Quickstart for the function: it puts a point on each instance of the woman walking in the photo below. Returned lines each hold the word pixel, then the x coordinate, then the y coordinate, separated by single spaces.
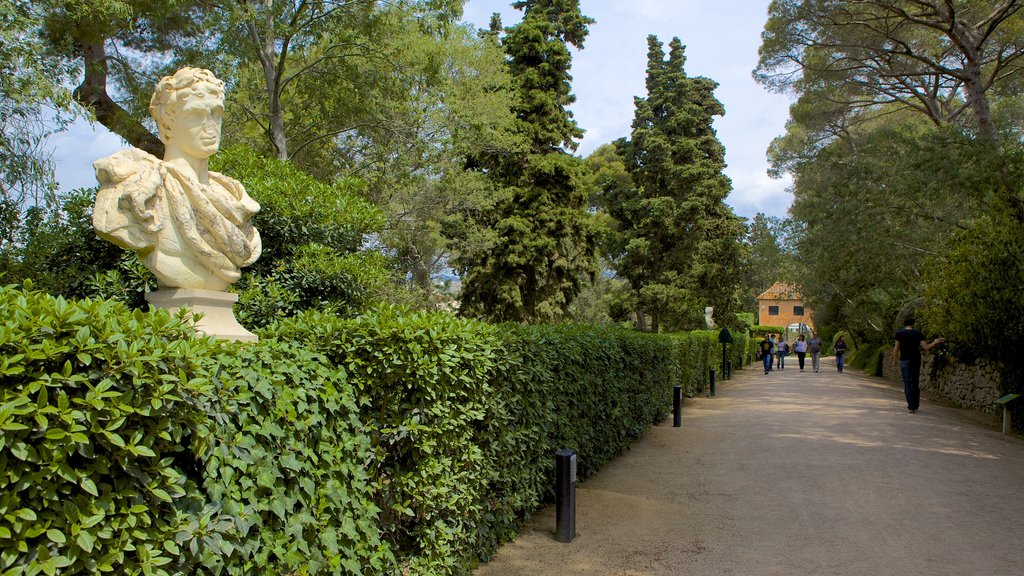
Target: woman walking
pixel 801 350
pixel 780 353
pixel 840 348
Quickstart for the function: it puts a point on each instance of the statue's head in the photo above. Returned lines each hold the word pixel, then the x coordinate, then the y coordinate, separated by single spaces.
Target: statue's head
pixel 188 108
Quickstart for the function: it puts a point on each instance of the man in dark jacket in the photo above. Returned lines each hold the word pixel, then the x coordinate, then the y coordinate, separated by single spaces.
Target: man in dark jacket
pixel 909 343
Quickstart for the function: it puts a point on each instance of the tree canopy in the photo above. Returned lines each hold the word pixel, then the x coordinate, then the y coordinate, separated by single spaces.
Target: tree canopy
pixel 527 252
pixel 678 241
pixel 940 58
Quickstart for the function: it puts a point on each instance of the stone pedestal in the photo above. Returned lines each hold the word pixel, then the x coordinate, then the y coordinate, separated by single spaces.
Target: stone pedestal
pixel 218 318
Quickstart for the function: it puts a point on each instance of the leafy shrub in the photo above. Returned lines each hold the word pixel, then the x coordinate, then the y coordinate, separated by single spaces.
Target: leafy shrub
pixel 422 387
pixel 93 424
pixel 465 417
pixel 973 293
pixel 129 446
pixel 869 358
pixel 387 443
pixel 763 330
pixel 315 242
pixel 282 464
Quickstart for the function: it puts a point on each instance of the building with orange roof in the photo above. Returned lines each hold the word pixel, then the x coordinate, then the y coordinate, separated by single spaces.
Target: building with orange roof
pixel 783 305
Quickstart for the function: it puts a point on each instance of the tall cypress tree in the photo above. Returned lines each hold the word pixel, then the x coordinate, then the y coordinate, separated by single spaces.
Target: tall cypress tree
pixel 537 244
pixel 680 242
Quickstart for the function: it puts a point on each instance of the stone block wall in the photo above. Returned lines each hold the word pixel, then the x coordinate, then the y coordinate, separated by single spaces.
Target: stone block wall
pixel 975 386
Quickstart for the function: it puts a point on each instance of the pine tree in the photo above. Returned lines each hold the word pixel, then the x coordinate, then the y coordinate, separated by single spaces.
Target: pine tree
pixel 534 244
pixel 679 241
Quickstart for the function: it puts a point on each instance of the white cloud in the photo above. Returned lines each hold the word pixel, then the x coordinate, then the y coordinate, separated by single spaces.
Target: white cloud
pixel 754 191
pixel 75 149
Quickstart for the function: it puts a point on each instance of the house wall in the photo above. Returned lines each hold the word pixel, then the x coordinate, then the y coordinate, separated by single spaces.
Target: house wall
pixel 786 315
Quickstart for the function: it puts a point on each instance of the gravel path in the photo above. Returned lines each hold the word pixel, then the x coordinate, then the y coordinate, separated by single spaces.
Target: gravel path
pixel 791 474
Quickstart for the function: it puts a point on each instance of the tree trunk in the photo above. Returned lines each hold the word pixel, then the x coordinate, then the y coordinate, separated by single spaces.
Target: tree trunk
pixel 421 276
pixel 641 320
pixel 973 83
pixel 266 52
pixel 92 93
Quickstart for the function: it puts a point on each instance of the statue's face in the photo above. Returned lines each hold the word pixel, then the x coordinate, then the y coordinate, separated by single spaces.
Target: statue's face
pixel 195 129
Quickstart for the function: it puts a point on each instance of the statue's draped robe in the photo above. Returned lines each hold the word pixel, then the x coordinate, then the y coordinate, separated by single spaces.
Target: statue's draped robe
pixel 144 202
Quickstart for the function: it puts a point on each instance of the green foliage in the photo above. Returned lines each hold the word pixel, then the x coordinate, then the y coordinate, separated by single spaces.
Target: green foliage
pixel 464 416
pixel 869 358
pixel 93 418
pixel 847 57
pixel 972 293
pixel 525 255
pixel 770 255
pixel 762 329
pixel 313 237
pixel 381 444
pixel 58 250
pixel 129 446
pixel 282 463
pixel 421 386
pixel 913 183
pixel 677 241
pixel 31 79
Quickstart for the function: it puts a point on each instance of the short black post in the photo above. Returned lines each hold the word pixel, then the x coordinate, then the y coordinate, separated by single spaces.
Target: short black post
pixel 677 406
pixel 712 373
pixel 565 495
pixel 725 374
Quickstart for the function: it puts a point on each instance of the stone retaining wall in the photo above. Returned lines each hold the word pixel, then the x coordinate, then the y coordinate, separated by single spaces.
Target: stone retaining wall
pixel 975 386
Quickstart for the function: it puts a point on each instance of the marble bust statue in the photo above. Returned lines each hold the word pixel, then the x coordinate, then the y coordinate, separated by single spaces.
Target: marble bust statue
pixel 191 227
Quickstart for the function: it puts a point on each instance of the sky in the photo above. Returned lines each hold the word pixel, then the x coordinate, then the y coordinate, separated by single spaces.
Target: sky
pixel 721 39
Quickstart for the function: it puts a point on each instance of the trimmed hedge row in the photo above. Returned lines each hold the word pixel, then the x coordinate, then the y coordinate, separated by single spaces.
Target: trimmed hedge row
pixel 390 443
pixel 128 446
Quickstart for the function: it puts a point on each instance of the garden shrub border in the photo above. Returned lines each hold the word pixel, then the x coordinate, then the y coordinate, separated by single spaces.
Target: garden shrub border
pixel 383 444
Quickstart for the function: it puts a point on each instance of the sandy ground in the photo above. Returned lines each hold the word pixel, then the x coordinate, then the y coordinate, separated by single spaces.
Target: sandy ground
pixel 795 473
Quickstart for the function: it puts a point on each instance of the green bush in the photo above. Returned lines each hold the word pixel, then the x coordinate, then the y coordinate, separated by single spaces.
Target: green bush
pixel 763 330
pixel 869 358
pixel 129 446
pixel 313 236
pixel 465 417
pixel 377 445
pixel 422 387
pixel 282 468
pixel 973 293
pixel 94 424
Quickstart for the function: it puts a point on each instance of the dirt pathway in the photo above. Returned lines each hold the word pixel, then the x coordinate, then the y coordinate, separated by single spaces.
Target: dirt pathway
pixel 795 473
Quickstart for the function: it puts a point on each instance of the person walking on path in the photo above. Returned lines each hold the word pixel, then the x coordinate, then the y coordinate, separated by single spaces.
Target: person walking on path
pixel 765 349
pixel 780 353
pixel 800 346
pixel 909 343
pixel 814 347
pixel 840 348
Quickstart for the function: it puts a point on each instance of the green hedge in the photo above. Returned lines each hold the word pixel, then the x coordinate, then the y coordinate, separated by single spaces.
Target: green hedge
pixel 127 446
pixel 93 422
pixel 384 444
pixel 465 417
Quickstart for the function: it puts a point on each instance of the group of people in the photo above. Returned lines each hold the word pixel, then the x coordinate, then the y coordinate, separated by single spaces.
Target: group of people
pixel 907 352
pixel 774 351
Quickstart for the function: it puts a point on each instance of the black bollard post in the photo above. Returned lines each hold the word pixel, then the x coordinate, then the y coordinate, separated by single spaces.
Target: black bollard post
pixel 712 372
pixel 725 375
pixel 677 406
pixel 565 495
